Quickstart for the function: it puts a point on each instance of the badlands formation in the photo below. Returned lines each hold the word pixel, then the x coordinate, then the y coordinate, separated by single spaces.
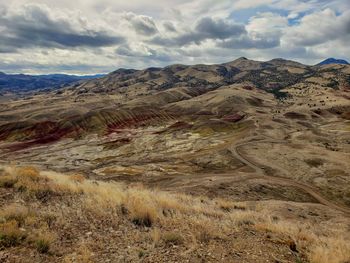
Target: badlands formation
pixel 245 161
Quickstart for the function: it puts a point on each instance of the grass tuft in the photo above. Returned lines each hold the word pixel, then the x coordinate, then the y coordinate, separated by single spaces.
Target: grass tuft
pixel 10 234
pixel 172 238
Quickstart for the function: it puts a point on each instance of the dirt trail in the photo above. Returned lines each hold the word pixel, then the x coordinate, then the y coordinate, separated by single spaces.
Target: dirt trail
pixel 282 180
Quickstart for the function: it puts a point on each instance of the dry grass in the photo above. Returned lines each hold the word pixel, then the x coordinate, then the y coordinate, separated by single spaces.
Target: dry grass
pixel 14 212
pixel 7 181
pixel 19 225
pixel 155 236
pixel 172 238
pixel 200 219
pixel 29 180
pixel 43 241
pixel 10 234
pixel 204 231
pixel 81 255
pixel 320 245
pixel 141 209
pixel 330 250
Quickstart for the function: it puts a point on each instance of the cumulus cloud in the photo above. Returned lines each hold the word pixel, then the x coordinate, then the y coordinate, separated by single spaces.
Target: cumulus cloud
pixel 320 27
pixel 249 43
pixel 34 27
pixel 141 51
pixel 218 29
pixel 144 25
pixel 169 26
pixel 206 28
pixel 262 32
pixel 258 34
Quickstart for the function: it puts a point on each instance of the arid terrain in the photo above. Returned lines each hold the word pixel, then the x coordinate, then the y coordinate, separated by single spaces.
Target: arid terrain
pixel 245 161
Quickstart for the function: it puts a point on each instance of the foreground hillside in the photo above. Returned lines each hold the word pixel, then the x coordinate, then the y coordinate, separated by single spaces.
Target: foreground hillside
pixel 51 217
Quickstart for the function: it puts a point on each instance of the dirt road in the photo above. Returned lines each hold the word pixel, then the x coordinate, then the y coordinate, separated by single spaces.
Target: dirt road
pixel 282 180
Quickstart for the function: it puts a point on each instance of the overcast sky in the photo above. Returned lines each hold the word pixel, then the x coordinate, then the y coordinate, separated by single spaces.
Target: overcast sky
pixel 96 36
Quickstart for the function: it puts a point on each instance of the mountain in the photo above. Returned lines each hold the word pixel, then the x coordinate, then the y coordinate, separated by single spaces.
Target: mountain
pixel 19 83
pixel 333 61
pixel 271 76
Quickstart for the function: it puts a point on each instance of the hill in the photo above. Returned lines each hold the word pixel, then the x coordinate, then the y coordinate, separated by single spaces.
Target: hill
pixel 333 61
pixel 271 76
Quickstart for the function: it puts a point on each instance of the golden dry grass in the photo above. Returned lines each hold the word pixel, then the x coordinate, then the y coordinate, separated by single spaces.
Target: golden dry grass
pixel 330 250
pixel 198 218
pixel 81 255
pixel 10 234
pixel 18 224
pixel 15 212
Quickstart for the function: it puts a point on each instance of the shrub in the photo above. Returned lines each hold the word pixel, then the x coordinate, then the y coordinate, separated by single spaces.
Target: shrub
pixel 141 209
pixel 142 253
pixel 28 179
pixel 142 220
pixel 42 246
pixel 43 242
pixel 10 234
pixel 15 212
pixel 7 181
pixel 204 231
pixel 172 238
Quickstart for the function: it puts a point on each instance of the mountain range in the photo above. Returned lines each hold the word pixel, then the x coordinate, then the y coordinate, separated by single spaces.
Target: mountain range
pixel 19 83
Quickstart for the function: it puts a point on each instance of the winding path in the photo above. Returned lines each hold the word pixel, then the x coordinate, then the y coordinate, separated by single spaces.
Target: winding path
pixel 282 180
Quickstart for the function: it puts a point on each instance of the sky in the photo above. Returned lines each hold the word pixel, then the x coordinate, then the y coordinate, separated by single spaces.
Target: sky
pixel 99 36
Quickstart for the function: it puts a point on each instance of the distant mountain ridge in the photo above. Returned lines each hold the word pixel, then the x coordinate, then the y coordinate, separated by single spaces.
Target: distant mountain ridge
pixel 271 76
pixel 333 61
pixel 19 83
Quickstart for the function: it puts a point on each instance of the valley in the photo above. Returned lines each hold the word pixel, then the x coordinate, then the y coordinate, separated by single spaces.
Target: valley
pixel 272 134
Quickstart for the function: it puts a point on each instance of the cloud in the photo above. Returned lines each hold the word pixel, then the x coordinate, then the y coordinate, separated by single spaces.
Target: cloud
pixel 169 26
pixel 34 27
pixel 144 25
pixel 228 34
pixel 248 43
pixel 206 28
pixel 218 29
pixel 244 4
pixel 320 27
pixel 263 31
pixel 141 51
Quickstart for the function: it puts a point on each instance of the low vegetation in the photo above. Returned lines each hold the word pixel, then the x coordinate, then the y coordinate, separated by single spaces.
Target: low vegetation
pixel 64 217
